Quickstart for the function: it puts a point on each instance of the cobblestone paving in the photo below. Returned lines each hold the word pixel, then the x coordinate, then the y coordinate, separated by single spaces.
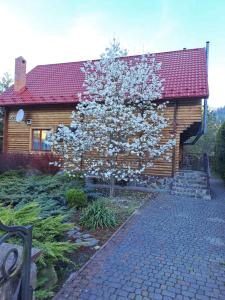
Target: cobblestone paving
pixel 173 249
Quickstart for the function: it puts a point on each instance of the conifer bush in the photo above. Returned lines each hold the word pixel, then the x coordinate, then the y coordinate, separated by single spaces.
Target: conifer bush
pixel 47 236
pixel 220 152
pixel 76 198
pixel 47 190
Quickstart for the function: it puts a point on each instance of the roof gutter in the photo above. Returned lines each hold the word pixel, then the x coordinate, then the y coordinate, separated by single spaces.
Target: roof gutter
pixel 203 129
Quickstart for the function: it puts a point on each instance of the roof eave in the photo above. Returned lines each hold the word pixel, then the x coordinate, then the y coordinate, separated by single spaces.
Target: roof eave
pixel 75 101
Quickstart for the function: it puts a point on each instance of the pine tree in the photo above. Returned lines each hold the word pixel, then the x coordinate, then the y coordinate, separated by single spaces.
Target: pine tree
pixel 5 82
pixel 220 152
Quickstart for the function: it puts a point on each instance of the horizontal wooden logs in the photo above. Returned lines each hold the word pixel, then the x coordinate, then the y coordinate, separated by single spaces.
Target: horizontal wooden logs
pixel 50 116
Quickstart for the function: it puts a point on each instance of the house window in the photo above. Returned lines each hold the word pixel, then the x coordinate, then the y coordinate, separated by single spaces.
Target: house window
pixel 40 140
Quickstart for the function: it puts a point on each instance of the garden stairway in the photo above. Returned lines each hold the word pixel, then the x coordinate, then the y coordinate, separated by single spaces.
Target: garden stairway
pixel 191 183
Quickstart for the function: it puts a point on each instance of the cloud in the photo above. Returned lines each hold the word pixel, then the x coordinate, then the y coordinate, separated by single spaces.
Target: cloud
pixel 86 34
pixel 83 39
pixel 86 37
pixel 216 87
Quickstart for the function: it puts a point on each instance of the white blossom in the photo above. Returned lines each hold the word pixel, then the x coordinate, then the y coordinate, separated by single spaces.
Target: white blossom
pixel 117 128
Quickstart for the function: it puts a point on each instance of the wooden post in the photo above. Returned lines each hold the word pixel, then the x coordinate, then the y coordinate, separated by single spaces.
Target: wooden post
pixel 112 188
pixel 174 132
pixel 5 131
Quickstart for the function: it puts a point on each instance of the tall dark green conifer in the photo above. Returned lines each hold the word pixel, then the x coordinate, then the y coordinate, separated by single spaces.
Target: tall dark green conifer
pixel 220 152
pixel 5 83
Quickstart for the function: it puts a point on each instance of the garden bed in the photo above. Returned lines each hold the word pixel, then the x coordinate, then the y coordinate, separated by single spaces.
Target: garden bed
pixel 48 192
pixel 124 204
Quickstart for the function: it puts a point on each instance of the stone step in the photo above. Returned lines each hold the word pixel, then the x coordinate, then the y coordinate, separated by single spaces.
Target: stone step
pixel 189 194
pixel 190 179
pixel 202 177
pixel 196 196
pixel 190 172
pixel 198 179
pixel 193 195
pixel 188 184
pixel 187 188
pixel 190 188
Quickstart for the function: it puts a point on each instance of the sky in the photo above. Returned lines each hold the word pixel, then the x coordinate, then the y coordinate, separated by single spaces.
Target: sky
pixel 53 31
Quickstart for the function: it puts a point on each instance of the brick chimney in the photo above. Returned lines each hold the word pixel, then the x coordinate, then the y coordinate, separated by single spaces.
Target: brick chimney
pixel 20 74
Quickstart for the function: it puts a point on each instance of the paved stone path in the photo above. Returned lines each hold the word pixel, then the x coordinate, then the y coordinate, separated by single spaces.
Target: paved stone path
pixel 173 249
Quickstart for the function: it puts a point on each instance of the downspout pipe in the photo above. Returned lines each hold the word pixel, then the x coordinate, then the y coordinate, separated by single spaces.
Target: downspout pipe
pixel 203 129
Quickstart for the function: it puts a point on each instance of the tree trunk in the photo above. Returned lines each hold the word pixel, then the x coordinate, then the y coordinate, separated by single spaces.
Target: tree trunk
pixel 111 189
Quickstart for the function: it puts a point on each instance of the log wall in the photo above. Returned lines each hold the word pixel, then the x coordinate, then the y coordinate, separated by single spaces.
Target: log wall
pixel 17 136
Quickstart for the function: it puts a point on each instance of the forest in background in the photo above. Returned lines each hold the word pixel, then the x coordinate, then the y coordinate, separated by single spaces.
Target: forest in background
pixel 215 118
pixel 220 114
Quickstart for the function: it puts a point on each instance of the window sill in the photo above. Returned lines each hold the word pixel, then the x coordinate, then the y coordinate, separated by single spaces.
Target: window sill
pixel 40 151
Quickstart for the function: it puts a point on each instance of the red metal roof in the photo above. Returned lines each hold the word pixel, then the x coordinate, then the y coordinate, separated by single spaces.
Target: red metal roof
pixel 184 72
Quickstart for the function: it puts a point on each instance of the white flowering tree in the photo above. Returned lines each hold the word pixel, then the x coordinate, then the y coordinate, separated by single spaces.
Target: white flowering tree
pixel 116 130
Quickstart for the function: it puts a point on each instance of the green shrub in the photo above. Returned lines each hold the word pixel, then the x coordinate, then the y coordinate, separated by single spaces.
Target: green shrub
pixel 76 198
pixel 97 214
pixel 47 190
pixel 13 173
pixel 220 152
pixel 47 236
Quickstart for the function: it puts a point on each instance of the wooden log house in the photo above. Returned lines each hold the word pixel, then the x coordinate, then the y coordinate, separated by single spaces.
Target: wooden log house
pixel 48 94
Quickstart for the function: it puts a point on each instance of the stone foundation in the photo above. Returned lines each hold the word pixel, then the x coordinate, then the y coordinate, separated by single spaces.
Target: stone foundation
pixel 151 183
pixel 155 183
pixel 184 183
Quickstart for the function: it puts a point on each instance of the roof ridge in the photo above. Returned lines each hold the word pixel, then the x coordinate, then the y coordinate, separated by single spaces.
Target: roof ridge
pixel 184 71
pixel 134 55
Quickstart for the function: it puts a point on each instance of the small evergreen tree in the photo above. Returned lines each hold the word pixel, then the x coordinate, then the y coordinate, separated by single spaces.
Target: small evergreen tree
pixel 5 83
pixel 220 114
pixel 220 152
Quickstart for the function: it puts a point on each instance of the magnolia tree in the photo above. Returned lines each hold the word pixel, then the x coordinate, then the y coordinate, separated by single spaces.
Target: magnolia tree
pixel 116 130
